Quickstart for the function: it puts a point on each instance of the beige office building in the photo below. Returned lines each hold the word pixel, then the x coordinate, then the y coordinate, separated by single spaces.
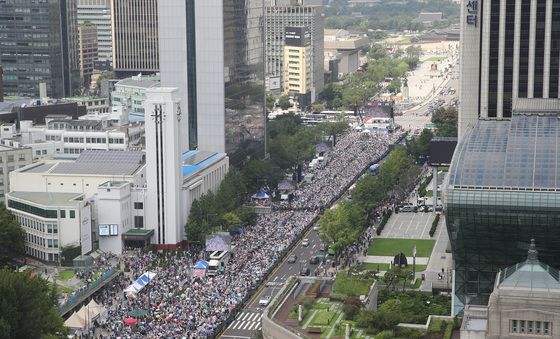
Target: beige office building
pixel 298 65
pixel 135 36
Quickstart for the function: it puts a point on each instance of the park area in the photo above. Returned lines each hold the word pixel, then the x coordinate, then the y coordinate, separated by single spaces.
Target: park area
pixel 392 247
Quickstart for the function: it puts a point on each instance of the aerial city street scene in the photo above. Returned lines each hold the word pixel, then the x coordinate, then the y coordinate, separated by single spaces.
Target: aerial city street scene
pixel 280 169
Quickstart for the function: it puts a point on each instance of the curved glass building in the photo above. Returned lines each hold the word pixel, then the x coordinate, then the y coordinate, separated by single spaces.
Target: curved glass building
pixel 503 188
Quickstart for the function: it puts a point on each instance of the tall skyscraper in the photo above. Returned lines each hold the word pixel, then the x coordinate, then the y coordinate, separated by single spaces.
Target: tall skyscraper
pixel 98 12
pixel 503 186
pixel 277 19
pixel 135 37
pixel 509 50
pixel 39 44
pixel 213 52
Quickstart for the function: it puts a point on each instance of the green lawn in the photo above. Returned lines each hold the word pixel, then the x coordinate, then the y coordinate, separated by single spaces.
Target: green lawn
pixel 436 59
pixel 323 318
pixel 385 267
pixel 65 275
pixel 391 247
pixel 404 41
pixel 351 286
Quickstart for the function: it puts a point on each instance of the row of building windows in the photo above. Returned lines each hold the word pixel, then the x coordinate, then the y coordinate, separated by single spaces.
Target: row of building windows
pixel 531 327
pixel 92 140
pixel 10 158
pixel 37 225
pixel 40 254
pixel 39 241
pixel 51 214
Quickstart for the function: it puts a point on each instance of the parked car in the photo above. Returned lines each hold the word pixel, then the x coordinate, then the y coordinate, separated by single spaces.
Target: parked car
pixel 305 242
pixel 305 271
pixel 264 300
pixel 323 247
pixel 314 260
pixel 292 259
pixel 316 227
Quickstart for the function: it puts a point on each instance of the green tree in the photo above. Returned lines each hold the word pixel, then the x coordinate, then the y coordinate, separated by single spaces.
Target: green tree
pixel 28 307
pixel 12 236
pixel 231 220
pixel 257 173
pixel 446 119
pixel 318 107
pixel 334 128
pixel 284 102
pixel 270 100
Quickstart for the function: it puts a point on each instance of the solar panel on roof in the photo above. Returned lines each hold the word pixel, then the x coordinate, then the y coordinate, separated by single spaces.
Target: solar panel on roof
pixel 99 156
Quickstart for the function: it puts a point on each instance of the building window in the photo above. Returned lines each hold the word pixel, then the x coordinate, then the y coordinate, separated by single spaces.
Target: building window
pixel 62 213
pixel 547 328
pixel 10 158
pixel 138 221
pixel 529 327
pixel 522 326
pixel 138 206
pixel 72 214
pixel 22 157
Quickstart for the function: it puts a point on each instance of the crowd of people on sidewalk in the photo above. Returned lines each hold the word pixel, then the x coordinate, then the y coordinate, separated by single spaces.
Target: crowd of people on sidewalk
pixel 180 305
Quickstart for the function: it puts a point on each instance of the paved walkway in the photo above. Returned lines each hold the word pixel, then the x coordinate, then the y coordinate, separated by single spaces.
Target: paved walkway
pixel 375 259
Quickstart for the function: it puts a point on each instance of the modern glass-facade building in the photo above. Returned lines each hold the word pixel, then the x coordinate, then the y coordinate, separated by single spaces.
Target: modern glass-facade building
pixel 38 44
pixel 503 189
pixel 245 115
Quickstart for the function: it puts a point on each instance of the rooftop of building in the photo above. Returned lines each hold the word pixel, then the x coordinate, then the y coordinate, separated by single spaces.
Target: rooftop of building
pixel 530 274
pixel 194 161
pixel 518 153
pixel 93 162
pixel 114 184
pixel 140 81
pixel 343 40
pixel 49 199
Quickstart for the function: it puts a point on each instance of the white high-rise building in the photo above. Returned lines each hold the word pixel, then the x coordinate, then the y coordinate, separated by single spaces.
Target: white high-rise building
pixel 163 158
pixel 192 58
pixel 509 50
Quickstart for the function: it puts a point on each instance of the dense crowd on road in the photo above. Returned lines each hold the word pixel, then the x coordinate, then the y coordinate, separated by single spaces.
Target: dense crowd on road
pixel 182 305
pixel 352 153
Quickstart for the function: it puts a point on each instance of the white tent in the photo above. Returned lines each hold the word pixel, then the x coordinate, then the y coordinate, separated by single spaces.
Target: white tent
pixel 75 322
pixel 96 309
pixel 88 314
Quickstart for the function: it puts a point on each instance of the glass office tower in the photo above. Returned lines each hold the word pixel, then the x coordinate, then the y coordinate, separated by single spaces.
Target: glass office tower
pixel 38 44
pixel 503 190
pixel 245 117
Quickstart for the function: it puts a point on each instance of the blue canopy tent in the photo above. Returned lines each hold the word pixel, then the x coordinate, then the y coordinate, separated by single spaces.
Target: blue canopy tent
pixel 261 195
pixel 201 265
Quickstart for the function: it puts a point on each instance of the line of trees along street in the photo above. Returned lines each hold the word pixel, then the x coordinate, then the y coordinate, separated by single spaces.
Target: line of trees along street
pixel 343 225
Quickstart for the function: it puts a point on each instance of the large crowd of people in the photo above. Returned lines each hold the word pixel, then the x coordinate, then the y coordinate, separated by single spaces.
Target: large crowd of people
pixel 181 305
pixel 339 167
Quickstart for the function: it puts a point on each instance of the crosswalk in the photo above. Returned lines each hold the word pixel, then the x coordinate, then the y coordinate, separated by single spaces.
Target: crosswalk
pixel 248 321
